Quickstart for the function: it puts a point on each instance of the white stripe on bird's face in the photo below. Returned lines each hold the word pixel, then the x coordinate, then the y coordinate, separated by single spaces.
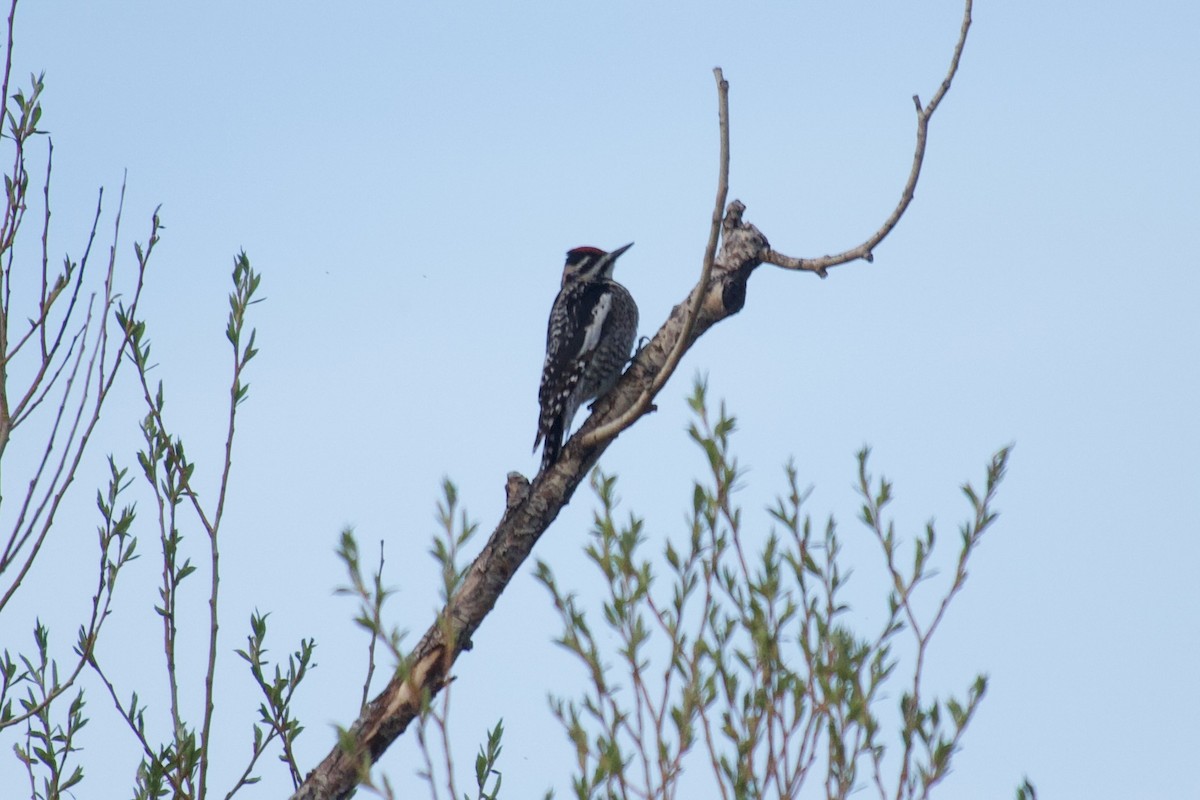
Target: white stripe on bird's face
pixel 581 265
pixel 590 269
pixel 606 266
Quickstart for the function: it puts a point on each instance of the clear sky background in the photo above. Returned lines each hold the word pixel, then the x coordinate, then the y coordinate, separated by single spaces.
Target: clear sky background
pixel 407 178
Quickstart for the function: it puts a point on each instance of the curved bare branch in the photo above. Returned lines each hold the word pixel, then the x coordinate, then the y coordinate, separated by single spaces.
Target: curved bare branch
pixel 866 250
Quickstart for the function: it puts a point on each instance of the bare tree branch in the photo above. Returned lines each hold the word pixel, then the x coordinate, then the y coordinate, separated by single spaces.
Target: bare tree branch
pixel 866 250
pixel 75 418
pixel 40 504
pixel 643 404
pixel 532 507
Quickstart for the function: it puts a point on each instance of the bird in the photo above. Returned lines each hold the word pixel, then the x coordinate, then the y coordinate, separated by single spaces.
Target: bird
pixel 589 338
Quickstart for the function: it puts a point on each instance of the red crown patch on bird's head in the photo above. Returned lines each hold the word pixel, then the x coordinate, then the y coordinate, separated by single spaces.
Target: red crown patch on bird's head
pixel 585 251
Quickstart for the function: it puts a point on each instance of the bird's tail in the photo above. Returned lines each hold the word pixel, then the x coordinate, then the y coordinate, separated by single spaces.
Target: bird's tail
pixel 553 434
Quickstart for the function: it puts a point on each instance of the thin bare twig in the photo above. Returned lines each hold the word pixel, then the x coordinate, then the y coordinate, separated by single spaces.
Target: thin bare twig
pixel 29 402
pixel 88 636
pixel 866 250
pixel 610 429
pixel 376 628
pixel 73 420
pixel 211 526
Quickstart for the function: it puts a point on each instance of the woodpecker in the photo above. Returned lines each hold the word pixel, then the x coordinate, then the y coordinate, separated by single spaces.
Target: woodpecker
pixel 590 335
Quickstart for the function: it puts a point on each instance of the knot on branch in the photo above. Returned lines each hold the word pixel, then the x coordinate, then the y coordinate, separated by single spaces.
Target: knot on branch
pixel 516 489
pixel 742 246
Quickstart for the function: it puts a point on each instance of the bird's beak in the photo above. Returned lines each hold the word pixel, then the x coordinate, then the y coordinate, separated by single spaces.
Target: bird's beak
pixel 613 255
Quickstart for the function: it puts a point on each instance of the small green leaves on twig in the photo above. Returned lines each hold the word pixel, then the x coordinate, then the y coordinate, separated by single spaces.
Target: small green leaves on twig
pixel 278 689
pixel 371 598
pixel 455 530
pixel 485 765
pixel 245 284
pixel 22 123
pixel 49 743
pixel 751 661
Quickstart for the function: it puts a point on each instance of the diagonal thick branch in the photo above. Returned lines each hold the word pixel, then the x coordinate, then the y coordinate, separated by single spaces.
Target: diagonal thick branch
pixel 531 510
pixel 532 507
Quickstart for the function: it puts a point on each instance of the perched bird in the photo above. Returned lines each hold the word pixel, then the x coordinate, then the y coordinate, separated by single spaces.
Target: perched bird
pixel 588 341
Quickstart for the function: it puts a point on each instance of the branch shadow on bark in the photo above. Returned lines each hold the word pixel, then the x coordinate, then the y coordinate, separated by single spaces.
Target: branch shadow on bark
pixel 533 506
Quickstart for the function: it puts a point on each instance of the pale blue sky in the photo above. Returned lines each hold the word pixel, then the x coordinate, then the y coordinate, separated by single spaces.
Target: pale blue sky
pixel 407 178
